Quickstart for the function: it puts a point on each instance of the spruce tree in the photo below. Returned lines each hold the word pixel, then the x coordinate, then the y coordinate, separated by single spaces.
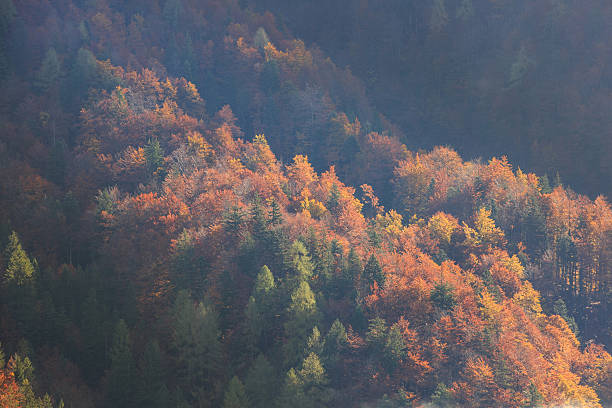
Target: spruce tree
pixel 373 272
pixel 122 373
pixel 235 395
pixel 260 382
pixel 49 72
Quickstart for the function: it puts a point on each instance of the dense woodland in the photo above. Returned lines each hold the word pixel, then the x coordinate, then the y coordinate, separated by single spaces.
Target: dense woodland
pixel 199 210
pixel 531 79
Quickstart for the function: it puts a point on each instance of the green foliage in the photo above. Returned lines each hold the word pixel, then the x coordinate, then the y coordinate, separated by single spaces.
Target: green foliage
pixel 443 296
pixel 394 350
pixel 299 262
pixel 49 72
pixel 442 396
pixel 302 316
pixel 122 374
pixel 264 283
pixel 19 269
pixel 373 272
pixel 195 339
pixel 377 333
pixel 560 309
pixel 260 383
pixel 235 395
pixel 154 156
pixel 152 388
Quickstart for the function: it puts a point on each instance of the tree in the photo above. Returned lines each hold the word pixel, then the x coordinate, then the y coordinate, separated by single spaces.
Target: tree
pixel 19 270
pixel 260 383
pixel 235 395
pixel 261 38
pixel 153 391
pixel 395 348
pixel 49 73
pixel 122 373
pixel 195 340
pixel 154 156
pixel 299 263
pixel 373 272
pixel 443 296
pixel 302 316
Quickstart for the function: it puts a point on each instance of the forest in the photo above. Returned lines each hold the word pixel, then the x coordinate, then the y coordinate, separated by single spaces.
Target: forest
pixel 246 204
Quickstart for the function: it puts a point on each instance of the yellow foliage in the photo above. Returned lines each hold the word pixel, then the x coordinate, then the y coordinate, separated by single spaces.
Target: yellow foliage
pixel 489 307
pixel 485 233
pixel 528 298
pixel 390 222
pixel 199 145
pixel 442 226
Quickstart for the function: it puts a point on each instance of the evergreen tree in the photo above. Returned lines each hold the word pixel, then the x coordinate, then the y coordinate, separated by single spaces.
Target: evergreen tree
pixel 18 286
pixel 153 391
pixel 300 263
pixel 235 395
pixel 49 73
pixel 199 355
pixel 442 295
pixel 19 270
pixel 92 332
pixel 377 333
pixel 394 350
pixel 122 373
pixel 373 272
pixel 274 215
pixel 545 185
pixel 260 383
pixel 154 156
pixel 303 315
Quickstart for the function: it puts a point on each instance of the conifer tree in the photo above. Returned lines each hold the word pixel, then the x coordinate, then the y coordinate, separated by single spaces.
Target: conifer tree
pixel 122 373
pixel 260 383
pixel 235 395
pixel 373 272
pixel 199 355
pixel 302 316
pixel 49 72
pixel 19 270
pixel 153 391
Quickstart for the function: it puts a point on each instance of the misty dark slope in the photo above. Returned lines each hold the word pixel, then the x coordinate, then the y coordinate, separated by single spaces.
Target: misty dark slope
pixel 157 251
pixel 531 80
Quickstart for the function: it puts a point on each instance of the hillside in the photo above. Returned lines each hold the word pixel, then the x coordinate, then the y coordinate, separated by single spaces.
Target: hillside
pixel 198 210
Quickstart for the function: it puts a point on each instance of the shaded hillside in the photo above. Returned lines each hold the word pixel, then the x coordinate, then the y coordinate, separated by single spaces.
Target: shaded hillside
pixel 530 80
pixel 159 253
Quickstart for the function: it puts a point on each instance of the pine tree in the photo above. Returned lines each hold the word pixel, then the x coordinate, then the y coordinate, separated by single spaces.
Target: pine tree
pixel 122 373
pixel 235 395
pixel 154 156
pixel 19 270
pixel 49 73
pixel 394 350
pixel 373 272
pixel 153 391
pixel 274 216
pixel 303 315
pixel 199 354
pixel 260 383
pixel 545 185
pixel 299 263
